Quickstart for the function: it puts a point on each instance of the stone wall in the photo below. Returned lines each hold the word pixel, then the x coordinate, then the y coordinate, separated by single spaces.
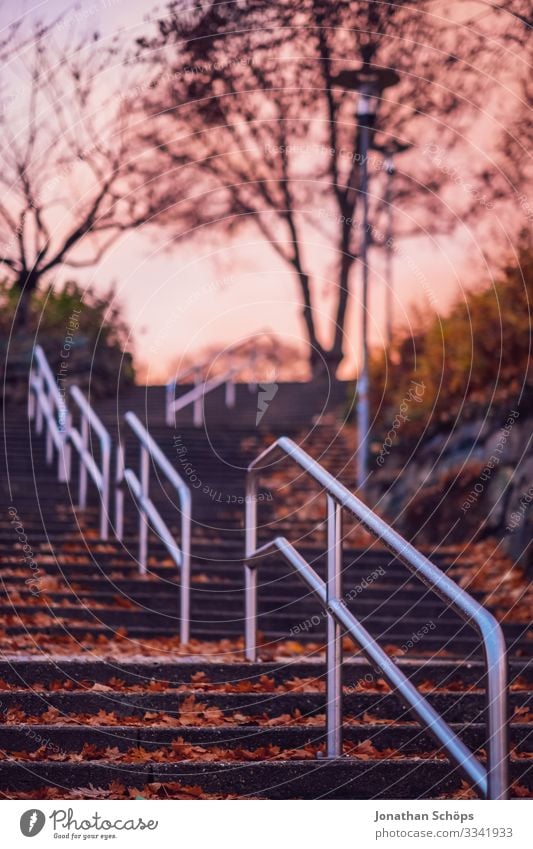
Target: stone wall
pixel 472 481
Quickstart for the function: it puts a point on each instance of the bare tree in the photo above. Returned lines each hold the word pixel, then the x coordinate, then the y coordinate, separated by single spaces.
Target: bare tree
pixel 248 124
pixel 68 183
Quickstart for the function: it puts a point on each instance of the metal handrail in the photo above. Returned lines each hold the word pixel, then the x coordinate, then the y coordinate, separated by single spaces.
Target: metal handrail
pixel 173 404
pixel 139 487
pixel 196 396
pixel 99 474
pixel 492 781
pixel 47 403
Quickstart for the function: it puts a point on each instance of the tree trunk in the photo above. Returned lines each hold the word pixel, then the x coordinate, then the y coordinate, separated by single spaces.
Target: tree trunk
pixel 324 362
pixel 329 363
pixel 316 351
pixel 342 303
pixel 26 284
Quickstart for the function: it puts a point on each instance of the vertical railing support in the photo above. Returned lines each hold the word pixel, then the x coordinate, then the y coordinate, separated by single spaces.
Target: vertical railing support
pixel 497 710
pixel 143 520
pixel 198 408
pixel 82 483
pixel 64 456
pixel 170 394
pixel 185 569
pixel 230 394
pixel 250 570
pixel 334 638
pixel 119 493
pixel 106 486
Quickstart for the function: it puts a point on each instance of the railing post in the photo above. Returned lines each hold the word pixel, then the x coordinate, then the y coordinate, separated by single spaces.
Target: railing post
pixel 82 483
pixel 143 520
pixel 497 712
pixel 104 495
pixel 198 406
pixel 49 440
pixel 334 639
pixel 250 571
pixel 185 570
pixel 230 394
pixel 65 455
pixel 119 494
pixel 170 395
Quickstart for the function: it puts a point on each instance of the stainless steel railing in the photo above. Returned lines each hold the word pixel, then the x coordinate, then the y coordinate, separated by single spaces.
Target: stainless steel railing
pixel 100 474
pixel 139 487
pixel 202 387
pixel 196 395
pixel 47 404
pixel 490 781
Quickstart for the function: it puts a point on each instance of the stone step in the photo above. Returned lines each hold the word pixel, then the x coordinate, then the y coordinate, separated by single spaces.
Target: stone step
pixel 454 707
pixel 345 778
pixel 408 738
pixel 117 615
pixel 80 631
pixel 27 671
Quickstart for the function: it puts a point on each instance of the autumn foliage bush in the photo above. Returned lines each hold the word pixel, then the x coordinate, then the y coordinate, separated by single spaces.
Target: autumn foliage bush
pixel 76 326
pixel 471 360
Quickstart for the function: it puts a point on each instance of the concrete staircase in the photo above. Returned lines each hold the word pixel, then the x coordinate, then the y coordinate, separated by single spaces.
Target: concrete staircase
pixel 99 698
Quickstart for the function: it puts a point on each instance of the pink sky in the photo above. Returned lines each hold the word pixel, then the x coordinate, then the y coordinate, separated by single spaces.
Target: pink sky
pixel 180 301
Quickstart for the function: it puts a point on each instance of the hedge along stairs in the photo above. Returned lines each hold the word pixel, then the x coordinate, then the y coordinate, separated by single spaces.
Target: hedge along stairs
pixel 99 699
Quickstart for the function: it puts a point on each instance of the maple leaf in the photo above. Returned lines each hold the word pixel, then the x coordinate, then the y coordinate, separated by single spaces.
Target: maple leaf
pixel 92 792
pixel 522 792
pixel 51 715
pixel 522 714
pixel 158 686
pixel 465 792
pixel 283 719
pixel 190 711
pixel 214 715
pixel 137 755
pixel 199 678
pixel 311 685
pixel 91 752
pixel 241 687
pixel 240 717
pixel 58 756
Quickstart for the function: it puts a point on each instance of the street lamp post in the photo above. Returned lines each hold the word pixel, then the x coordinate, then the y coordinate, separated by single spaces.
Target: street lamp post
pixel 388 166
pixel 366 112
pixel 389 151
pixel 369 83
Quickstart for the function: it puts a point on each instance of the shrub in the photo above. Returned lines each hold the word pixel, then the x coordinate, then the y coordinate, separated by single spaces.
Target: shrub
pixel 72 320
pixel 475 358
